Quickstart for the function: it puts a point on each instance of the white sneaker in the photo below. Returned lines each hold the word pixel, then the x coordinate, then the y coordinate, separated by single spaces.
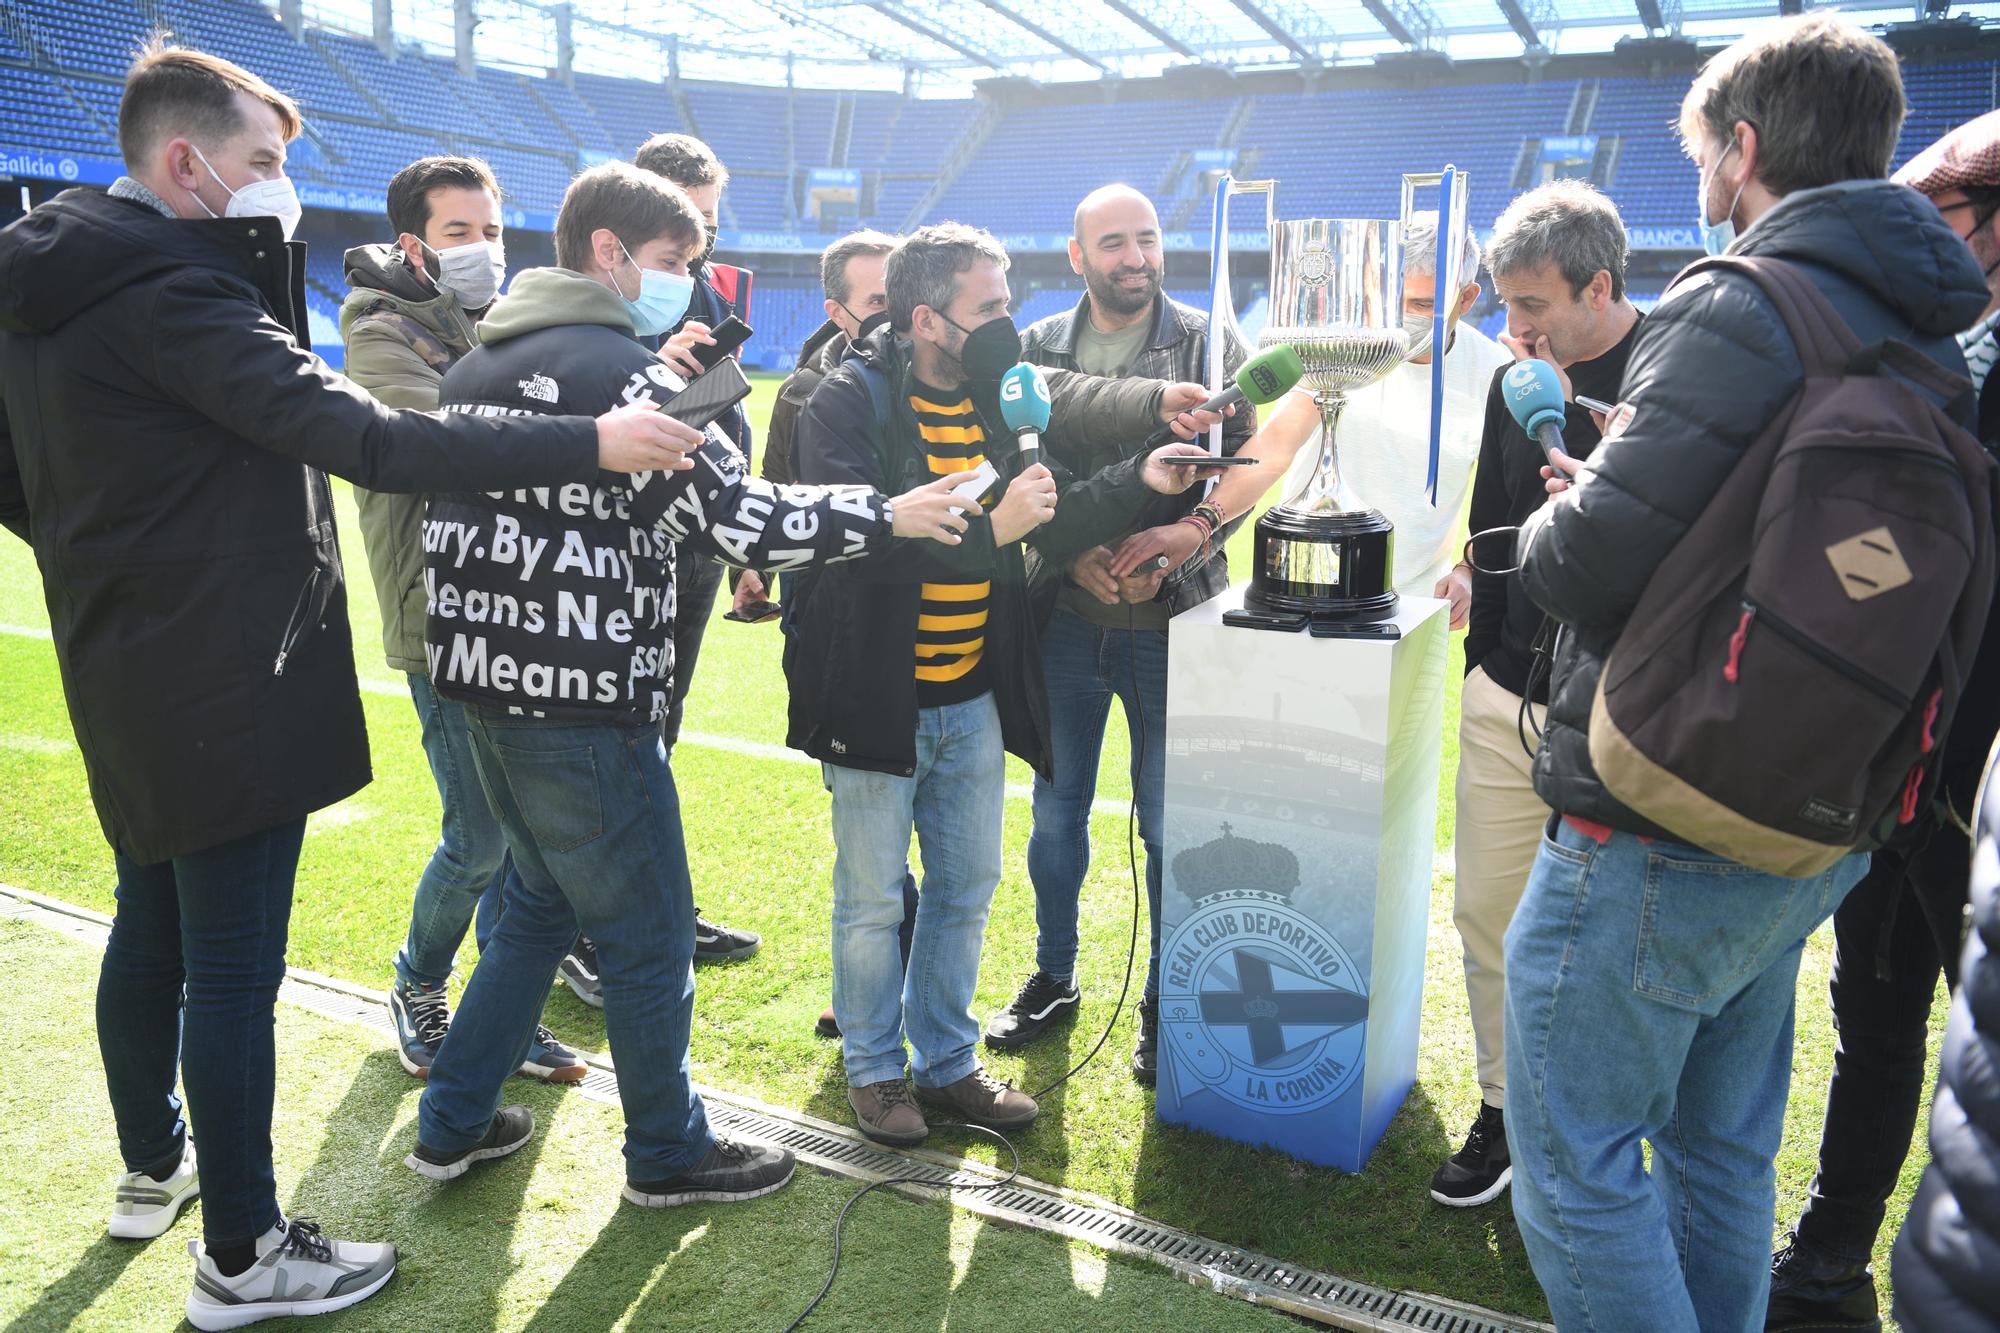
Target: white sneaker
pixel 298 1272
pixel 143 1207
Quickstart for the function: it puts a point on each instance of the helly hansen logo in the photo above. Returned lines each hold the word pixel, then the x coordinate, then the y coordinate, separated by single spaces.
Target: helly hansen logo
pixel 540 388
pixel 1825 814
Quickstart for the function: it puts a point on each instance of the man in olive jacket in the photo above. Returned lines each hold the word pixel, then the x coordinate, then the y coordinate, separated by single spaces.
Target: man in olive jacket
pixel 164 448
pixel 410 314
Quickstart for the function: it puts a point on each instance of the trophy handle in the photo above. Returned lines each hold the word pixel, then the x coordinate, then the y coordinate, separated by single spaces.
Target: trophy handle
pixel 1454 200
pixel 1268 188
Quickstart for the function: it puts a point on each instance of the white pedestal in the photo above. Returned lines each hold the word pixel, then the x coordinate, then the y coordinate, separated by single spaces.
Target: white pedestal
pixel 1301 808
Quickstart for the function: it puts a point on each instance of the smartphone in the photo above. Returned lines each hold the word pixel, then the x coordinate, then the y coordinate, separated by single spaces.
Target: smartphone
pixel 729 335
pixel 708 395
pixel 755 613
pixel 1282 621
pixel 1211 460
pixel 1345 629
pixel 1597 405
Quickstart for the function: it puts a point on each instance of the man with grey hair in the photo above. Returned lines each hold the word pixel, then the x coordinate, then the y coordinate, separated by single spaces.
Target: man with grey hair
pixel 1557 256
pixel 1650 980
pixel 911 677
pixel 851 276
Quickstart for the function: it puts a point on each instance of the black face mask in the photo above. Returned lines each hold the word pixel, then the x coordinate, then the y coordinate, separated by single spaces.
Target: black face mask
pixel 990 351
pixel 867 326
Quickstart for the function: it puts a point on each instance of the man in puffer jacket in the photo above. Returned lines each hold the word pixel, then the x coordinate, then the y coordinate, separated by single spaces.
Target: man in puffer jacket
pixel 1947 1261
pixel 1650 983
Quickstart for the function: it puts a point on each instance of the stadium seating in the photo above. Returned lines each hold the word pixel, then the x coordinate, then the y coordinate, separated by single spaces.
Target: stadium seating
pixel 1336 152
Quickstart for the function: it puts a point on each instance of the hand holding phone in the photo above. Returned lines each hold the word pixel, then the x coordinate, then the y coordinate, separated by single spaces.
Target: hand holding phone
pixel 729 335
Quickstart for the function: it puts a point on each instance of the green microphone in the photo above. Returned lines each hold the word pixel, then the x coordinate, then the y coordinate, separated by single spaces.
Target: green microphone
pixel 1264 378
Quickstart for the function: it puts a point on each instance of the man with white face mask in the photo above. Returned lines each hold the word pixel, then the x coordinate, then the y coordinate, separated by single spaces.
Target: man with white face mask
pixel 409 316
pixel 164 448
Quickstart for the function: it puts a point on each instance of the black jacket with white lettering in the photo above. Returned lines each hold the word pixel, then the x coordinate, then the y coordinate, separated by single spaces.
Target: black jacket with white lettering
pixel 559 601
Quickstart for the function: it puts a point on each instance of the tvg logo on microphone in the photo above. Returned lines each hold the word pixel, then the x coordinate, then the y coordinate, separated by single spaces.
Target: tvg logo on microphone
pixel 1014 388
pixel 1266 380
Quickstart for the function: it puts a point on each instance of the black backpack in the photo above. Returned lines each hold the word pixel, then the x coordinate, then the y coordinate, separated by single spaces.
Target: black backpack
pixel 1781 692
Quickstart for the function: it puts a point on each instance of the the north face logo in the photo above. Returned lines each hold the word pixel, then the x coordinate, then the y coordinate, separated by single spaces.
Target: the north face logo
pixel 540 388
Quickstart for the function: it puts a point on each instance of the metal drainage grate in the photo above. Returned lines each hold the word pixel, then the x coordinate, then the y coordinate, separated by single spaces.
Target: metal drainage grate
pixel 1323 1298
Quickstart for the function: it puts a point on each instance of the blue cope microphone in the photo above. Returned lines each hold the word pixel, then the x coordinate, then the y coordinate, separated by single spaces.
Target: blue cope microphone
pixel 1024 407
pixel 1534 396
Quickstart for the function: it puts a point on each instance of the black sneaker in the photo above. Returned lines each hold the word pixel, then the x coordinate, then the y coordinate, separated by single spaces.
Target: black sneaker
pixel 731 1172
pixel 1478 1172
pixel 578 971
pixel 509 1132
pixel 1815 1290
pixel 720 944
pixel 1043 1002
pixel 1146 1051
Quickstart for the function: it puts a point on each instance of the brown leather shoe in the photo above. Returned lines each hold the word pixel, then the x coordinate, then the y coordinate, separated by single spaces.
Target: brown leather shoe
pixel 983 1100
pixel 884 1112
pixel 828 1026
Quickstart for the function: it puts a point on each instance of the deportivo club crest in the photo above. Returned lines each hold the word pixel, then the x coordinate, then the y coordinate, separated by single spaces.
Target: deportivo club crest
pixel 1257 1000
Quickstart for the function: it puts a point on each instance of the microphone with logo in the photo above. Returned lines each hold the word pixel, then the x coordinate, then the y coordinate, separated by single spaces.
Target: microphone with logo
pixel 1264 378
pixel 1534 396
pixel 1024 408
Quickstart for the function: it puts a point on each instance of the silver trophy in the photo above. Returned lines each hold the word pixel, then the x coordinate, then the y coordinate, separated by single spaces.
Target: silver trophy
pixel 1337 299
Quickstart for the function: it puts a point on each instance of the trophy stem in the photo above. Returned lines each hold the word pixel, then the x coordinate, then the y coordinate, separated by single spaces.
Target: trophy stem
pixel 1317 495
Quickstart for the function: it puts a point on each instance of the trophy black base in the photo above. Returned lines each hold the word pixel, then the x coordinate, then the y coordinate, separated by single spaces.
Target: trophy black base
pixel 1333 567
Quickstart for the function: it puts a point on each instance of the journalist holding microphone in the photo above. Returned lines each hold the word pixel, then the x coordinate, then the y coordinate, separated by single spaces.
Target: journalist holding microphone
pixel 915 669
pixel 164 449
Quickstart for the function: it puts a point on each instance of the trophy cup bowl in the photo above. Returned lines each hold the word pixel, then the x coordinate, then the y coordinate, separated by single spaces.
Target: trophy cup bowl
pixel 1337 298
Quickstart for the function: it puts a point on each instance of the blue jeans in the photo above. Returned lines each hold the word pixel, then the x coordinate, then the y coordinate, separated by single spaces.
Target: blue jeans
pixel 1649 999
pixel 469 862
pixel 188 985
pixel 593 826
pixel 1085 667
pixel 954 800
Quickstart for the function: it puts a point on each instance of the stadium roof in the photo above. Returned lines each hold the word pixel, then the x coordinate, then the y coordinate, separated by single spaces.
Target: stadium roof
pixel 945 46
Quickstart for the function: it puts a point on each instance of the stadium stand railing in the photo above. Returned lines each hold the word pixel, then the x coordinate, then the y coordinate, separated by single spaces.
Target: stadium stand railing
pixel 1338 151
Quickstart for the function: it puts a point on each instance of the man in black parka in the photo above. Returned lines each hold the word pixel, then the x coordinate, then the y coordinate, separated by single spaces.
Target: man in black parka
pixel 164 448
pixel 1650 983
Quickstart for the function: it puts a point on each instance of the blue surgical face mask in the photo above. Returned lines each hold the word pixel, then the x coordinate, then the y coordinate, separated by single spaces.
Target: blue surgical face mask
pixel 1717 237
pixel 663 299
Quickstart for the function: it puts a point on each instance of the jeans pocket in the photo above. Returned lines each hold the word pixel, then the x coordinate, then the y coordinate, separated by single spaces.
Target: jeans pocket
pixel 1706 928
pixel 557 793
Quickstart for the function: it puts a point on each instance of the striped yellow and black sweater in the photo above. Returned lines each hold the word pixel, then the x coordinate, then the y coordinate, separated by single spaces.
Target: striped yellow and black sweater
pixel 951 622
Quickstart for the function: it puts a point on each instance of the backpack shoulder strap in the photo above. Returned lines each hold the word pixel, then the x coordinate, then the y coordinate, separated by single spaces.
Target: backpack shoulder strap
pixel 1825 344
pixel 877 385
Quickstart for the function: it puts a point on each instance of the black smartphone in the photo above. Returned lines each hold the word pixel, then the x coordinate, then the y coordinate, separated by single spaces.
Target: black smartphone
pixel 729 335
pixel 1211 460
pixel 708 395
pixel 755 613
pixel 1347 629
pixel 1286 621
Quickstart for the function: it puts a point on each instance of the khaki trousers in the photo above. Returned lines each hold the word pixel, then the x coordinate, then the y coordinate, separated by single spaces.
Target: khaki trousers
pixel 1500 824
